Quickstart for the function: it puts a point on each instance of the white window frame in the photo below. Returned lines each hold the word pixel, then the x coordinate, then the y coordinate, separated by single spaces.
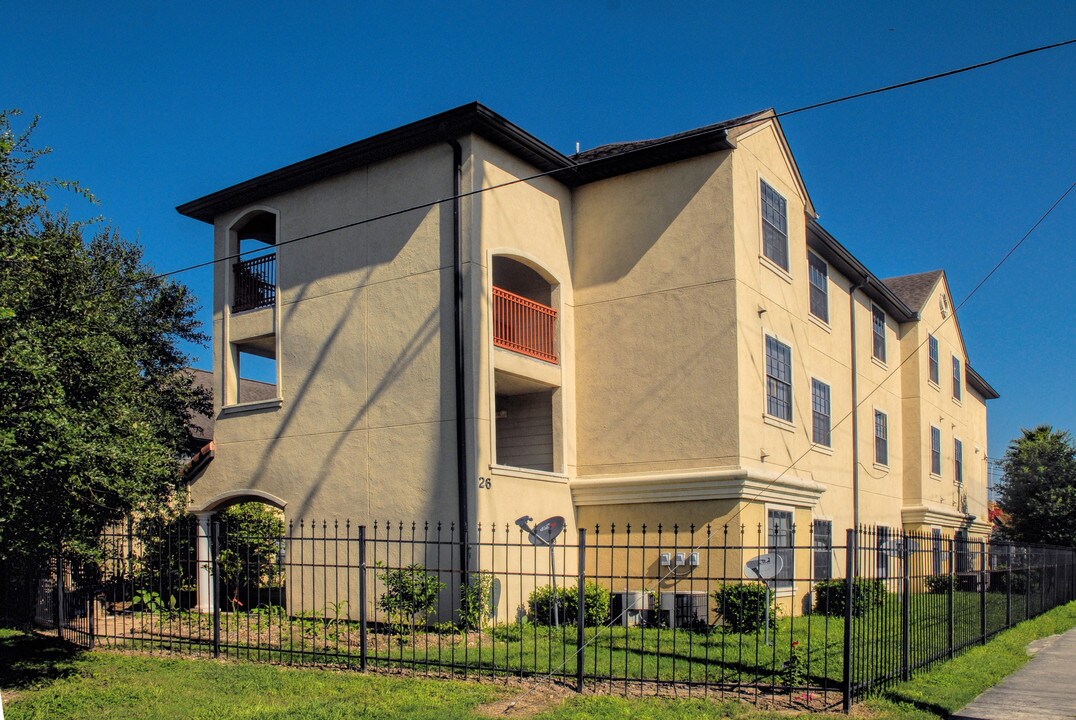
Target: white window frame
pixel 783 586
pixel 823 289
pixel 763 223
pixel 885 416
pixel 791 384
pixel 876 310
pixel 958 380
pixel 933 472
pixel 933 361
pixel 829 415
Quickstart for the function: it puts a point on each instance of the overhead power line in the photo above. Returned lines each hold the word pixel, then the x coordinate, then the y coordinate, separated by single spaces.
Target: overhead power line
pixel 470 193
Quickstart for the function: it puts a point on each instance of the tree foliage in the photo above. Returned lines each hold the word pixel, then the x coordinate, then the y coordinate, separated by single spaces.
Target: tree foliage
pixel 94 403
pixel 1039 488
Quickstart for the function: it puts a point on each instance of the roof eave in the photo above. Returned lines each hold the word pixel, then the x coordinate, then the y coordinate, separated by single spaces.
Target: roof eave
pixel 820 240
pixel 979 384
pixel 473 117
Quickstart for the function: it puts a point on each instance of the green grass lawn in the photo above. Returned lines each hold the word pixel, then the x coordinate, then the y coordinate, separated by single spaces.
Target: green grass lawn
pixel 40 678
pixel 651 654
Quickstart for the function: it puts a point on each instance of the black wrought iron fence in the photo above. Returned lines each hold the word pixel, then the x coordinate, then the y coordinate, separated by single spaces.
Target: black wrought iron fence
pixel 755 613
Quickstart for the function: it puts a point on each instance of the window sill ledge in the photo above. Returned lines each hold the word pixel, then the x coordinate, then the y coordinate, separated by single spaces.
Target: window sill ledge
pixel 240 408
pixel 935 476
pixel 880 466
pixel 775 268
pixel 824 449
pixel 933 384
pixel 879 363
pixel 779 423
pixel 528 474
pixel 819 322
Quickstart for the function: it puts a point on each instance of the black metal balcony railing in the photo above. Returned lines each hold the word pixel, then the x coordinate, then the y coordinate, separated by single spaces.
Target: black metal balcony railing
pixel 255 283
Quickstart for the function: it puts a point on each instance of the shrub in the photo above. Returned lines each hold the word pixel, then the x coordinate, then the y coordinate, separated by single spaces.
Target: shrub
pixel 742 607
pixel 866 594
pixel 939 584
pixel 794 670
pixel 595 608
pixel 475 601
pixel 410 595
pixel 1000 581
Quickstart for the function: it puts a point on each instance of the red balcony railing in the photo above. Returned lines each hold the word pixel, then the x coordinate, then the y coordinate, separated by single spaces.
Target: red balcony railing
pixel 255 283
pixel 524 326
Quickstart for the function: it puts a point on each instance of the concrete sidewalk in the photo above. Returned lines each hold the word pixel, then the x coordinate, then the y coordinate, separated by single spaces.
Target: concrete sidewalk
pixel 1042 689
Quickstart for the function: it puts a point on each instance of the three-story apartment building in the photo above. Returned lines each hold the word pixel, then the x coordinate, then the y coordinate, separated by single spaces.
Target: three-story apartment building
pixel 467 326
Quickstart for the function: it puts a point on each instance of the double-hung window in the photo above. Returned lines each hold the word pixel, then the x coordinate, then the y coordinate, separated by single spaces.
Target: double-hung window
pixel 881 438
pixel 936 547
pixel 958 462
pixel 820 411
pixel 774 226
pixel 778 379
pixel 932 352
pixel 882 553
pixel 935 450
pixel 818 275
pixel 823 549
pixel 878 328
pixel 780 537
pixel 957 384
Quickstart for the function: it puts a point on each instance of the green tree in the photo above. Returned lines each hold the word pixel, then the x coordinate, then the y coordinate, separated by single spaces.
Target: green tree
pixel 94 403
pixel 1039 488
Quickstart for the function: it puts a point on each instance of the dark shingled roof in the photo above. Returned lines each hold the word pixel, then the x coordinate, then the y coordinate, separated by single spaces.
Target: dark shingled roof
pixel 914 289
pixel 604 151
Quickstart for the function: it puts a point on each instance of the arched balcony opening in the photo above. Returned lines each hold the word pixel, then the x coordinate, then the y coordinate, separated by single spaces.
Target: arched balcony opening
pixel 524 313
pixel 254 271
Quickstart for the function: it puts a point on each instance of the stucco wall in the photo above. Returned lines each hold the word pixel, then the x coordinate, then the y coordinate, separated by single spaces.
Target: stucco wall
pixel 365 428
pixel 654 315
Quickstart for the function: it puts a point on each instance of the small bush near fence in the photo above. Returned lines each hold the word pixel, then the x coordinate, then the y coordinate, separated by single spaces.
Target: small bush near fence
pixel 1018 579
pixel 830 596
pixel 476 601
pixel 410 596
pixel 742 607
pixel 939 584
pixel 596 604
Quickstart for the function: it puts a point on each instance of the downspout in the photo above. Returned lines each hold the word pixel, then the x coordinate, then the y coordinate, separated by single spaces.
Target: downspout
pixel 458 332
pixel 855 418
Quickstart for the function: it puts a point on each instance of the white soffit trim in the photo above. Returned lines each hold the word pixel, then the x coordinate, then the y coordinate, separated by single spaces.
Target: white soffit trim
pixel 721 484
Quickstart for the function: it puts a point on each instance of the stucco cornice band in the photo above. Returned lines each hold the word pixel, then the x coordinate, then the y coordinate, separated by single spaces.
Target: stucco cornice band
pixel 725 484
pixel 934 515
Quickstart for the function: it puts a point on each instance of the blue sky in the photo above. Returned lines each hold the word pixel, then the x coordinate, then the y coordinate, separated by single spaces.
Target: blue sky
pixel 153 106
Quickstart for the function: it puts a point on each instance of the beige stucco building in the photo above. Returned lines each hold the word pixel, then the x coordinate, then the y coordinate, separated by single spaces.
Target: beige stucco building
pixel 465 324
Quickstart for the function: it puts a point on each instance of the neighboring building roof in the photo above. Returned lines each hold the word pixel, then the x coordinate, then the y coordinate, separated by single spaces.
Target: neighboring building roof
pixel 914 289
pixel 253 390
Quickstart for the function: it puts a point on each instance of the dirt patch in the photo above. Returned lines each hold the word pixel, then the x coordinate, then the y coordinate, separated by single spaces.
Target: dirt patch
pixel 527 698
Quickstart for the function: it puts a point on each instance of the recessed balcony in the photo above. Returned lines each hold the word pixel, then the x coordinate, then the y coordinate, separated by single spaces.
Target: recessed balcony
pixel 255 283
pixel 524 326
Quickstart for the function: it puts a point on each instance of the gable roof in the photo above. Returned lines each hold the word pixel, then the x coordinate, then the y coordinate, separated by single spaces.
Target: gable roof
pixel 915 289
pixel 585 167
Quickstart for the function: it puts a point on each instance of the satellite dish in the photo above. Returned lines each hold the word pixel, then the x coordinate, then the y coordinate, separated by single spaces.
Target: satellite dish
pixel 765 567
pixel 897 546
pixel 545 532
